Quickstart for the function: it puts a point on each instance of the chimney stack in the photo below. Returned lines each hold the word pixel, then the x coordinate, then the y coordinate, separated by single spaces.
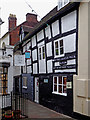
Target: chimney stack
pixel 31 17
pixel 12 21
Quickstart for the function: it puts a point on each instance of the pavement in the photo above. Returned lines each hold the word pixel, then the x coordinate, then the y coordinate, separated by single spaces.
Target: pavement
pixel 36 111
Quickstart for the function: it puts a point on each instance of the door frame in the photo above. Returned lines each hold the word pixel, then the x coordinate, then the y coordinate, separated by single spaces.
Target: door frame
pixel 36 89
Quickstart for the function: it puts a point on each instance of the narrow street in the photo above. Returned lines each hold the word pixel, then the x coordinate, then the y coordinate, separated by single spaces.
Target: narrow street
pixel 37 111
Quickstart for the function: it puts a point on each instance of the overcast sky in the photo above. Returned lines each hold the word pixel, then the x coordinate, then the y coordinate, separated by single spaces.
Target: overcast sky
pixel 20 9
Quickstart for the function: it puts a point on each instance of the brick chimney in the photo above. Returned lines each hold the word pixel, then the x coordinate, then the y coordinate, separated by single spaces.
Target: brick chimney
pixel 12 20
pixel 31 17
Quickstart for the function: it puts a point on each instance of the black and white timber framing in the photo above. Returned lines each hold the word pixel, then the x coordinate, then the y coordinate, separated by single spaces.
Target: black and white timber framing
pixel 53 45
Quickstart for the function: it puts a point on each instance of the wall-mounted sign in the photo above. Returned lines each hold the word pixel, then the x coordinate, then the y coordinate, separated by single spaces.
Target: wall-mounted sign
pixel 45 80
pixel 27 55
pixel 19 60
pixel 69 85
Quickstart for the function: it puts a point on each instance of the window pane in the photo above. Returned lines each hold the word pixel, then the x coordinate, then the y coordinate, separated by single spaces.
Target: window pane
pixel 43 49
pixel 4 83
pixel 56 44
pixel 56 52
pixel 64 89
pixel 60 80
pixel 61 43
pixel 55 87
pixel 60 88
pixel 5 70
pixel 39 50
pixel 55 80
pixel 64 80
pixel 1 70
pixel 0 89
pixel 43 55
pixel 61 50
pixel 4 90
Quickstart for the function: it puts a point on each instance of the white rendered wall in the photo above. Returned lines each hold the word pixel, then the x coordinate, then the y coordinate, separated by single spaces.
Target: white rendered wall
pixel 33 41
pixel 68 22
pixel 42 66
pixel 48 32
pixel 55 28
pixel 35 68
pixel 49 66
pixel 40 35
pixel 70 43
pixel 49 49
pixel 34 54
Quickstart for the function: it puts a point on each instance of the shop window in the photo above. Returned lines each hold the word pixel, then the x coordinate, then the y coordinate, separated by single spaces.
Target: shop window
pixel 59 85
pixel 41 52
pixel 24 82
pixel 3 80
pixel 59 48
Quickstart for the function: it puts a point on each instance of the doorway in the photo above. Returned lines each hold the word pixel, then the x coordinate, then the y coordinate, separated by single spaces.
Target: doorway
pixel 37 90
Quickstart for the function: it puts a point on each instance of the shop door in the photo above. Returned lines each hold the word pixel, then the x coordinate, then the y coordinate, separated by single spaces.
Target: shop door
pixel 37 90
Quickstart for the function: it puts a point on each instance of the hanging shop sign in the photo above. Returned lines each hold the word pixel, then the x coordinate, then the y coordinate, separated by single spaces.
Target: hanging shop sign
pixel 19 60
pixel 27 55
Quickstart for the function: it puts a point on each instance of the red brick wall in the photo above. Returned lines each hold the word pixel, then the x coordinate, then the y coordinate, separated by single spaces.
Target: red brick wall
pixel 31 20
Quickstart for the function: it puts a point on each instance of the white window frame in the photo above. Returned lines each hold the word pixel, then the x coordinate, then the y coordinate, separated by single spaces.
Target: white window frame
pixel 41 47
pixel 56 92
pixel 59 55
pixel 25 86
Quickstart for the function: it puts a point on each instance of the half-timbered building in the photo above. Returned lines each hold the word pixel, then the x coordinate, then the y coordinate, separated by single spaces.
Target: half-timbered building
pixel 53 51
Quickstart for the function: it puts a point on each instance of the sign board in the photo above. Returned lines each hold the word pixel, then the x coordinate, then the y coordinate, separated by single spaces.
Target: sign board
pixel 45 80
pixel 27 55
pixel 69 85
pixel 19 60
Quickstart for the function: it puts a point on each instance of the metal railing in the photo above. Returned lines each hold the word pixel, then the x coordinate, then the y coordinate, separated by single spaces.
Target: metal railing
pixel 14 105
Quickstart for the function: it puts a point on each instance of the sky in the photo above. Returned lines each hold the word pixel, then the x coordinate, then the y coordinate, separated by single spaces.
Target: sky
pixel 20 9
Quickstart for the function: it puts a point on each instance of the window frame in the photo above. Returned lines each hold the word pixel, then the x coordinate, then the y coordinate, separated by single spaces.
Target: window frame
pixel 41 54
pixel 25 85
pixel 57 92
pixel 59 47
pixel 4 80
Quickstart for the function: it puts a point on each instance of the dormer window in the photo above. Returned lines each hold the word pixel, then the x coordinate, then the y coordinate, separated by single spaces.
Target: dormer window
pixel 62 3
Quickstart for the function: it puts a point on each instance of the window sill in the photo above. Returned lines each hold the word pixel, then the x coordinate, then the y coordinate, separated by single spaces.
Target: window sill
pixel 24 87
pixel 63 94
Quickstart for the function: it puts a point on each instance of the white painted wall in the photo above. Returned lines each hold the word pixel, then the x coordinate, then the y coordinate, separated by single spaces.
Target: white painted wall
pixel 48 32
pixel 41 44
pixel 66 70
pixel 49 66
pixel 5 39
pixel 33 40
pixel 28 61
pixel 34 54
pixel 70 43
pixel 29 69
pixel 35 68
pixel 40 35
pixel 10 79
pixel 16 70
pixel 49 49
pixel 70 62
pixel 42 66
pixel 55 28
pixel 68 22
